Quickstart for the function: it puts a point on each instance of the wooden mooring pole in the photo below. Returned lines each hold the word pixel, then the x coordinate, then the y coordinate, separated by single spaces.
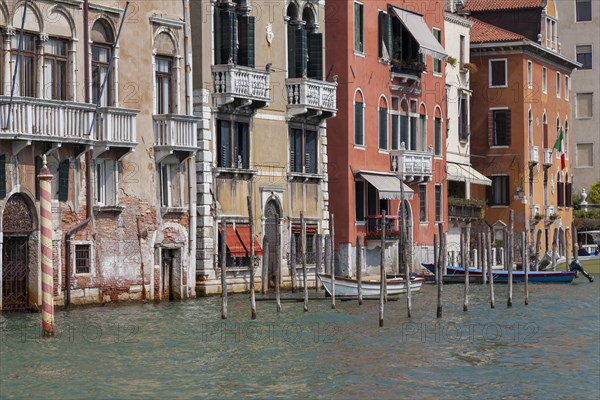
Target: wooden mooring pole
pixel 509 256
pixel 405 248
pixel 332 261
pixel 318 258
pixel 223 266
pixel 490 263
pixel 252 259
pixel 359 268
pixel 265 266
pixel 303 255
pixel 382 270
pixel 292 262
pixel 277 275
pixel 526 266
pixel 463 263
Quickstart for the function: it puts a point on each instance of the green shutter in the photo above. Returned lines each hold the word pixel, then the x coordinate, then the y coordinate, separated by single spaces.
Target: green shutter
pixel 38 168
pixel 246 51
pixel 63 180
pixel 315 56
pixel 291 51
pixel 387 34
pixel 2 176
pixel 218 35
pixel 380 34
pixel 229 32
pixel 301 52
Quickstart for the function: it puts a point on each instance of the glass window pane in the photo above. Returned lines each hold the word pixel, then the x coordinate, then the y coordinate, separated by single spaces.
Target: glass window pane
pixel 311 152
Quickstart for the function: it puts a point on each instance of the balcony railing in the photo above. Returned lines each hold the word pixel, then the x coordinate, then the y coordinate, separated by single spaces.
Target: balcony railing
pixel 547 157
pixel 374 227
pixel 39 119
pixel 412 165
pixel 175 130
pixel 534 155
pixel 311 95
pixel 116 125
pixel 464 209
pixel 235 82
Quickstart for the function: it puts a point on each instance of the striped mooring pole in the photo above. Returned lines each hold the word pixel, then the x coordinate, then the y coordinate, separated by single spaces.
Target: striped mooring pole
pixel 47 268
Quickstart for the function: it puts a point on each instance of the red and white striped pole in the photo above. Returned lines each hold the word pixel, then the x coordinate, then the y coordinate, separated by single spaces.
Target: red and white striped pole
pixel 47 268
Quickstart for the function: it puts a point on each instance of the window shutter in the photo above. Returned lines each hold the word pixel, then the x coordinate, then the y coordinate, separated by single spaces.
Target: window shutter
pixel 38 168
pixel 561 198
pixel 489 193
pixel 291 51
pixel 300 52
pixel 2 176
pixel 246 53
pixel 387 34
pixel 63 180
pixel 491 127
pixel 568 194
pixel 229 32
pixel 545 135
pixel 218 35
pixel 315 55
pixel 508 128
pixel 380 34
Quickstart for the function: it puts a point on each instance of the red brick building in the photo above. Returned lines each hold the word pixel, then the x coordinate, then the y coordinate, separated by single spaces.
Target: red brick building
pixel 389 62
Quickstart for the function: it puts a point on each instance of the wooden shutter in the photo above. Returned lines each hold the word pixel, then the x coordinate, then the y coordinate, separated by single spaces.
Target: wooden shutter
pixel 560 194
pixel 300 52
pixel 387 33
pixel 246 52
pixel 2 176
pixel 315 55
pixel 491 127
pixel 508 130
pixel 545 135
pixel 38 168
pixel 218 35
pixel 291 51
pixel 380 34
pixel 568 194
pixel 229 32
pixel 63 180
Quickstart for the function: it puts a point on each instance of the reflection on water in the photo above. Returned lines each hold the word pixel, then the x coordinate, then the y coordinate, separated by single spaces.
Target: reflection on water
pixel 549 349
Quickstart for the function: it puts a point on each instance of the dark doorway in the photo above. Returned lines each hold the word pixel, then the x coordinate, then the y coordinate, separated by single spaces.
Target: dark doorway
pixel 167 292
pixel 272 217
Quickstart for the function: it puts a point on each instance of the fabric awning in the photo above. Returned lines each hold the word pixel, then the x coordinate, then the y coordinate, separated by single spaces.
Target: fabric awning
pixel 388 185
pixel 466 173
pixel 420 31
pixel 235 246
pixel 244 232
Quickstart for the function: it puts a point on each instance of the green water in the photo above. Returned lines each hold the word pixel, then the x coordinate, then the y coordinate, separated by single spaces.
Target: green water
pixel 549 349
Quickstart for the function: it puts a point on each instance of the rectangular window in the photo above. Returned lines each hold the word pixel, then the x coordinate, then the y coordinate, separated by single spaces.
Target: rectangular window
pixel 423 132
pixel 463 119
pixel 558 85
pixel 501 127
pixel 233 144
pixel 544 80
pixel 55 69
pixel 170 185
pixel 359 138
pixel 26 76
pixel 83 259
pixel 463 52
pixel 106 182
pixel 584 55
pixel 438 203
pixel 498 73
pixel 423 203
pixel 583 10
pixel 359 200
pixel 100 60
pixel 498 193
pixel 358 28
pixel 438 136
pixel 437 63
pixel 164 86
pixel 303 151
pixel 583 105
pixel 395 132
pixel 567 87
pixel 383 129
pixel 585 155
pixel 529 74
pixel 385 36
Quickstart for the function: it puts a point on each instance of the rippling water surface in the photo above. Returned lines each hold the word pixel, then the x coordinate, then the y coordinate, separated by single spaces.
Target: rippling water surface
pixel 549 349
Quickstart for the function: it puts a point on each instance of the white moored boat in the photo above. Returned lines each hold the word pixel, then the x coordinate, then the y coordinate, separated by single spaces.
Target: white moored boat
pixel 347 287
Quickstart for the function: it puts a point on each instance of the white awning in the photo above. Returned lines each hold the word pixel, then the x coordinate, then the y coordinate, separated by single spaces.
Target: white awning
pixel 420 31
pixel 466 173
pixel 388 185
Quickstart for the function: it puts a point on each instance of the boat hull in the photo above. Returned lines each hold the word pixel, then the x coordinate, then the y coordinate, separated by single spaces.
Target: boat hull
pixel 345 287
pixel 518 276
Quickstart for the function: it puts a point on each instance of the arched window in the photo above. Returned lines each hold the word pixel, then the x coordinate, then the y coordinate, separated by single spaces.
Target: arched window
pixel 438 132
pixel 545 131
pixel 305 44
pixel 530 126
pixel 25 84
pixel 566 140
pixel 102 41
pixel 423 127
pixel 164 74
pixel 383 123
pixel 359 137
pixel 234 33
pixel 404 123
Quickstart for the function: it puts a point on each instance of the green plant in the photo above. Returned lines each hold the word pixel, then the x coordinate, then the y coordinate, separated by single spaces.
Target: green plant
pixel 471 67
pixel 451 60
pixel 553 217
pixel 457 201
pixel 594 195
pixel 499 243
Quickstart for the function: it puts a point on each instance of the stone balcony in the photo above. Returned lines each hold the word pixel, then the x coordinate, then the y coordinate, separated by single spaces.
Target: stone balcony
pixel 55 121
pixel 548 157
pixel 240 86
pixel 534 155
pixel 311 97
pixel 412 165
pixel 464 209
pixel 174 134
pixel 406 77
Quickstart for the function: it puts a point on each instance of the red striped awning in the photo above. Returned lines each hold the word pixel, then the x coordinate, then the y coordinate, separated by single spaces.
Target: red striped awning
pixel 235 246
pixel 244 233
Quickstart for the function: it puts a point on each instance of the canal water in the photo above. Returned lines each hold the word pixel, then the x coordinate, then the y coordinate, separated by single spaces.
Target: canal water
pixel 549 349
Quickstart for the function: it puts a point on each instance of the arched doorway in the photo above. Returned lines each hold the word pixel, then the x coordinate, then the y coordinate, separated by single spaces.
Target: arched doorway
pixel 272 217
pixel 17 227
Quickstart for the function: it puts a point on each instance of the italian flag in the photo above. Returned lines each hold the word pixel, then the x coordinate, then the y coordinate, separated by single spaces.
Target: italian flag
pixel 558 147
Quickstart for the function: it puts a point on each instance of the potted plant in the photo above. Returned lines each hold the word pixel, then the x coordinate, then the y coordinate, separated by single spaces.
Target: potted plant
pixel 470 67
pixel 553 217
pixel 451 61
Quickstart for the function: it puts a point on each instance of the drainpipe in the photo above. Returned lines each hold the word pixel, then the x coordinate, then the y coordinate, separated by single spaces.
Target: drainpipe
pixel 88 161
pixel 186 60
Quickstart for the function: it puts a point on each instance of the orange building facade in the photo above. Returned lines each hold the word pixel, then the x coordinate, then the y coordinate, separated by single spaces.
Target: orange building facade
pixel 390 125
pixel 521 105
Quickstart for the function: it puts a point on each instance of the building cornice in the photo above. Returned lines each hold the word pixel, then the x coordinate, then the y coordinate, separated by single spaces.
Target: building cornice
pixel 168 22
pixel 456 19
pixel 105 9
